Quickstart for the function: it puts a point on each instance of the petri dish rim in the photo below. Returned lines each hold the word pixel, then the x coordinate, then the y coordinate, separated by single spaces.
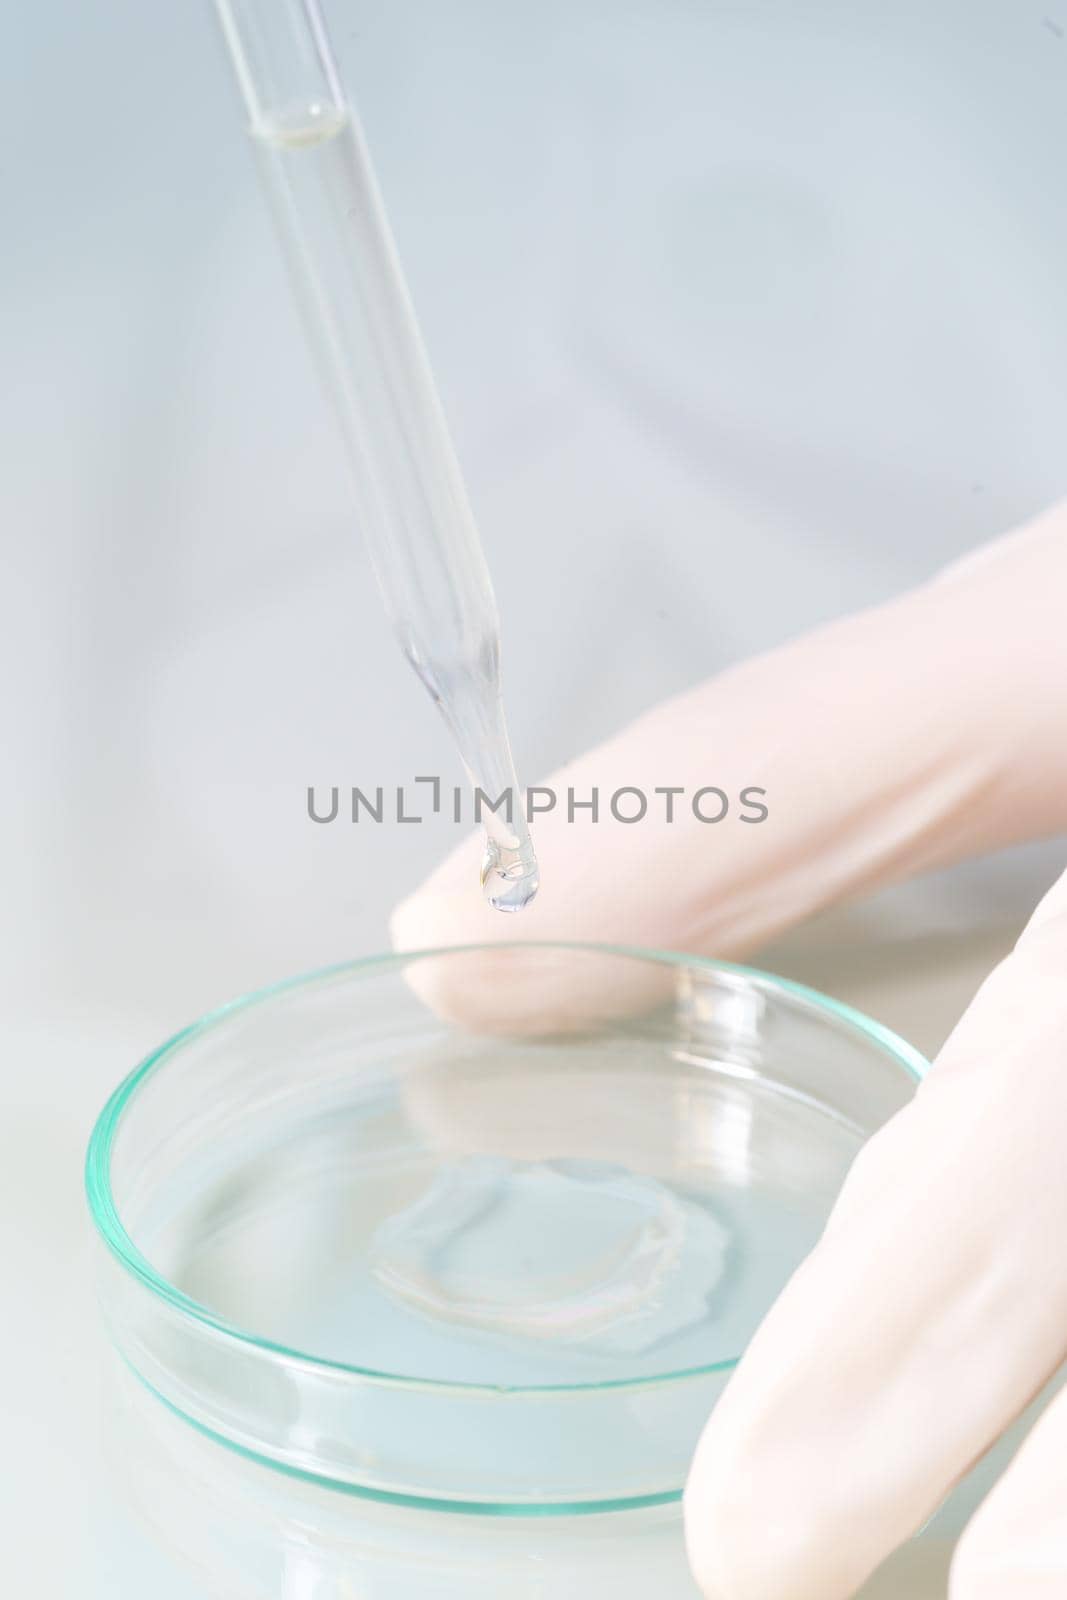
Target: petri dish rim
pixel 106 1220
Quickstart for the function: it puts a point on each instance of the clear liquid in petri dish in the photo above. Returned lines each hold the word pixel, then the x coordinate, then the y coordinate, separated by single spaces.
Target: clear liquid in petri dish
pixel 539 1250
pixel 578 1251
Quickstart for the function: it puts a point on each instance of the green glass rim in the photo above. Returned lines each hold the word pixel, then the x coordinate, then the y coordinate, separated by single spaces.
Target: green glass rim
pixel 106 1219
pixel 409 1501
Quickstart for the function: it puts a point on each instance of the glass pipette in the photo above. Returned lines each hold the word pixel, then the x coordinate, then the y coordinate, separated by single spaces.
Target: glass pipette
pixel 411 502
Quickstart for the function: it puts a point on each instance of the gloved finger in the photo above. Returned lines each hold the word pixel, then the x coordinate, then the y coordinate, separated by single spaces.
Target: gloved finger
pixel 930 1313
pixel 888 743
pixel 1015 1546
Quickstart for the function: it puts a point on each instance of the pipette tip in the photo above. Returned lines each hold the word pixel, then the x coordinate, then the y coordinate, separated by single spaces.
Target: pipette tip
pixel 510 877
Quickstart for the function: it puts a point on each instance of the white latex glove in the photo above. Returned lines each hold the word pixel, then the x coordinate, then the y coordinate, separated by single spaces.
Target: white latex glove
pixel 931 1312
pixel 935 1306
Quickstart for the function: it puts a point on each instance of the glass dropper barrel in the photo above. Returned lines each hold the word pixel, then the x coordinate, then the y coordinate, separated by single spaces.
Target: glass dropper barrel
pixel 411 502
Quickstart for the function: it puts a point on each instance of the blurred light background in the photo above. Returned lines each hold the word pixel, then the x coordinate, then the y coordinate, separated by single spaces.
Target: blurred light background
pixel 745 313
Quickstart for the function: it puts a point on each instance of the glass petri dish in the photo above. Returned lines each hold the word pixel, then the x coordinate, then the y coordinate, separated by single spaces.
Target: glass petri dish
pixel 449 1266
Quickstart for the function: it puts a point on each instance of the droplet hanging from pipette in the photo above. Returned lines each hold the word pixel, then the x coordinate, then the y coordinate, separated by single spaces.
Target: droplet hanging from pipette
pixel 469 700
pixel 510 876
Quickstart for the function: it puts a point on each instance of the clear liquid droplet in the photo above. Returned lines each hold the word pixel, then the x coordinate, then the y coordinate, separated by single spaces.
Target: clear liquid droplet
pixel 510 876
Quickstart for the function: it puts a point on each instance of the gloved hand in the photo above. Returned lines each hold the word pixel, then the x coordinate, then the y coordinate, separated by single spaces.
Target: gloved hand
pixel 935 1305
